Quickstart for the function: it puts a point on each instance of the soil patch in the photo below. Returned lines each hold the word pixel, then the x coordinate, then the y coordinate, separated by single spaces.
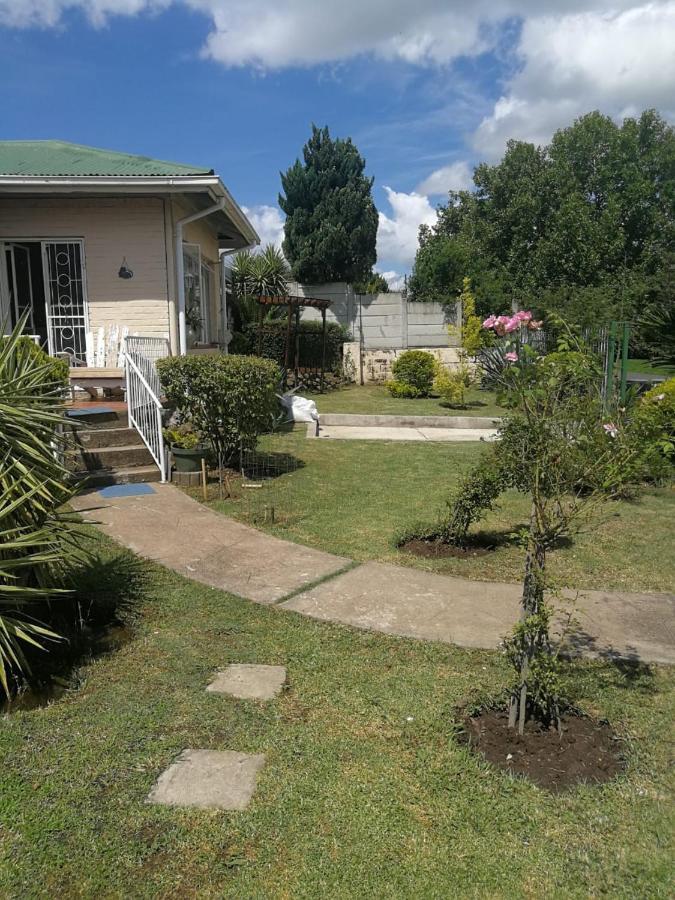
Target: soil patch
pixel 432 548
pixel 587 752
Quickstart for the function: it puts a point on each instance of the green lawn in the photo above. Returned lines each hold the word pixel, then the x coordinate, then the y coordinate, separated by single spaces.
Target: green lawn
pixel 366 791
pixel 375 399
pixel 646 366
pixel 353 497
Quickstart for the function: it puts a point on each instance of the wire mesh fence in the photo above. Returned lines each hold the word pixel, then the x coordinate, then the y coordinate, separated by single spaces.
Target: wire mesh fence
pixel 266 490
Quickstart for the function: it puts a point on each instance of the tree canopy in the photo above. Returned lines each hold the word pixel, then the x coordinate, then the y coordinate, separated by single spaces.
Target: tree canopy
pixel 331 220
pixel 583 226
pixel 374 283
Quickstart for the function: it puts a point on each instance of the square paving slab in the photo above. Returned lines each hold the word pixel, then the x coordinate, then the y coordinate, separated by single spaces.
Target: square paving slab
pixel 209 779
pixel 249 682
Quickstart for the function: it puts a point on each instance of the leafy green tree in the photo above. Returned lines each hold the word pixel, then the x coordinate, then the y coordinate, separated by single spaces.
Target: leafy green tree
pixel 373 284
pixel 581 227
pixel 331 220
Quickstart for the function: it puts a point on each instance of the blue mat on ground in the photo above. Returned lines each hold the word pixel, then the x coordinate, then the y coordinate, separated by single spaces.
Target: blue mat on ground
pixel 88 410
pixel 126 490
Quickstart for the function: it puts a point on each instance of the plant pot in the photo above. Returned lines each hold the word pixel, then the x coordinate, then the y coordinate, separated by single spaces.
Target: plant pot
pixel 188 460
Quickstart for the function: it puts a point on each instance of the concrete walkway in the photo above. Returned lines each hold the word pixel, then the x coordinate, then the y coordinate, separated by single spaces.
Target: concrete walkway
pixel 171 528
pixel 404 428
pixel 413 603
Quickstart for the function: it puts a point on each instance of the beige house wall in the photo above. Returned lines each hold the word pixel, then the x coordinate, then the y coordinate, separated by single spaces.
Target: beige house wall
pixel 200 232
pixel 112 229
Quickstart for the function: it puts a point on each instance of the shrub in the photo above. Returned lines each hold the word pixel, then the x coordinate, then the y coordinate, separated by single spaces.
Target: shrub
pixel 653 430
pixel 399 389
pixel 475 496
pixel 272 343
pixel 36 541
pixel 55 372
pixel 416 368
pixel 231 400
pixel 451 384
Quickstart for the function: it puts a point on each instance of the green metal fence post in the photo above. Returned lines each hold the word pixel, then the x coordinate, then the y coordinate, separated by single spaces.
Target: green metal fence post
pixel 611 347
pixel 624 361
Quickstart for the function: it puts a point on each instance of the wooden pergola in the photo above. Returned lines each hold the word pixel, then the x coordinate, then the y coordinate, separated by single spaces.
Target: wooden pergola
pixel 295 305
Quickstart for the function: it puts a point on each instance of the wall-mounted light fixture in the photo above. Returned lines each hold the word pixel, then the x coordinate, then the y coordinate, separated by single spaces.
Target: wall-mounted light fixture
pixel 125 271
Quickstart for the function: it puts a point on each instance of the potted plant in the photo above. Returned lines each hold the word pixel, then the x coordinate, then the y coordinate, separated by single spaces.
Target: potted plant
pixel 186 445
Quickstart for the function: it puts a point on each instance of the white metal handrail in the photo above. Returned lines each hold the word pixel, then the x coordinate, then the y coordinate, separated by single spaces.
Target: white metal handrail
pixel 145 351
pixel 145 408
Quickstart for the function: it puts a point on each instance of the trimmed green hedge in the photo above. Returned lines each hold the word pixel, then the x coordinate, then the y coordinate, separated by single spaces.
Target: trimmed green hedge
pixel 273 344
pixel 416 370
pixel 231 400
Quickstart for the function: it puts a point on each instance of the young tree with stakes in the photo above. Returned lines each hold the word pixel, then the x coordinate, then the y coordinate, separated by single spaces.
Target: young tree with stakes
pixel 558 445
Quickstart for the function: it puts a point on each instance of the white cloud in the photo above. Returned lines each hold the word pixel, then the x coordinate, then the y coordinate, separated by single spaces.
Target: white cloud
pixel 458 176
pixel 48 13
pixel 395 280
pixel 268 222
pixel 618 62
pixel 397 234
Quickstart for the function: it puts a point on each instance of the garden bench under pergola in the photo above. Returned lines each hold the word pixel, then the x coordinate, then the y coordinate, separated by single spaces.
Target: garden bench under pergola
pixel 295 304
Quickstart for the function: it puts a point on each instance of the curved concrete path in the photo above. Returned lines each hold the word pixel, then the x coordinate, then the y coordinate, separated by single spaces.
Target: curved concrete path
pixel 182 534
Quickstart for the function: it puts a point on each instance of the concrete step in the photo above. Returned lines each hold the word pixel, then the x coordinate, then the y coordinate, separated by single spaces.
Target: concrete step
pixel 132 475
pixel 122 457
pixel 93 438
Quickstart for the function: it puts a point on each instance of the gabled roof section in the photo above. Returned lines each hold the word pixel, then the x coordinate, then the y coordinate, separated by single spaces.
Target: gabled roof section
pixel 61 159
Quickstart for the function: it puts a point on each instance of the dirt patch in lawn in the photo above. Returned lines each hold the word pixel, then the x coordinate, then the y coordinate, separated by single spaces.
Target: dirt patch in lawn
pixel 588 751
pixel 433 548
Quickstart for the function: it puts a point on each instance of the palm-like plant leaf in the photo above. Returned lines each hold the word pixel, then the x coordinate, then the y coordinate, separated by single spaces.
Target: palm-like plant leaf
pixel 36 542
pixel 264 274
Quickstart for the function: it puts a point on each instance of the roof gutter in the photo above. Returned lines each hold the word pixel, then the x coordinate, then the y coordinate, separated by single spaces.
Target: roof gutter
pixel 180 268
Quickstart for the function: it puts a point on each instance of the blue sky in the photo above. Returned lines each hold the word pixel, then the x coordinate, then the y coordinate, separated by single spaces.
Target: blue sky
pixel 235 85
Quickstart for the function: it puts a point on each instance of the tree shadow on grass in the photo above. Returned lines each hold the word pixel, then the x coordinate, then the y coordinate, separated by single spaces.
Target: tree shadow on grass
pixel 96 617
pixel 470 404
pixel 625 667
pixel 259 465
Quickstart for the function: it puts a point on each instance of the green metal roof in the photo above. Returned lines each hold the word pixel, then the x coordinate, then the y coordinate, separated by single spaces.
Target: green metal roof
pixel 59 158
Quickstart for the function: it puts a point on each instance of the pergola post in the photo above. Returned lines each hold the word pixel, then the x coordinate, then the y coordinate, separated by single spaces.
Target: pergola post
pixel 287 356
pixel 323 348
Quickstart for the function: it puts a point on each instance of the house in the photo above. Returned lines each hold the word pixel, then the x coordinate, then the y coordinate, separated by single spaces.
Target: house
pixel 96 244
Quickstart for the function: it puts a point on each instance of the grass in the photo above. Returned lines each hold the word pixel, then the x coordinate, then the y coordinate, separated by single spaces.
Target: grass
pixel 366 791
pixel 647 367
pixel 375 399
pixel 353 497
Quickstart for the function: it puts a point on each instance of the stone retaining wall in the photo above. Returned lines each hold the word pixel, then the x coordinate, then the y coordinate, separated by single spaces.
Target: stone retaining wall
pixel 375 365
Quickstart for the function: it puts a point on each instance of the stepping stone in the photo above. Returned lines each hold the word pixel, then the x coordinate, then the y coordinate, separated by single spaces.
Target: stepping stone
pixel 249 682
pixel 209 779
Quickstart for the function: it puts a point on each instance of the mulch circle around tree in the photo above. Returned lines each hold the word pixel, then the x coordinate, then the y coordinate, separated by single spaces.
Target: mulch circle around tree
pixel 587 752
pixel 433 548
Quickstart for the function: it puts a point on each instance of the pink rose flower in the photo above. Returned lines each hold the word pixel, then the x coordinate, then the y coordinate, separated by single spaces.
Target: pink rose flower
pixel 523 315
pixel 535 326
pixel 512 357
pixel 490 322
pixel 512 325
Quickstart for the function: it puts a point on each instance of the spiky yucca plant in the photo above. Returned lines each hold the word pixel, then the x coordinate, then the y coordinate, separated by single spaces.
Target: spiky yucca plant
pixel 36 540
pixel 264 274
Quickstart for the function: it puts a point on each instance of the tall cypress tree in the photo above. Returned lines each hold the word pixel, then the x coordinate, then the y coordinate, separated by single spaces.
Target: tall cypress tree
pixel 331 220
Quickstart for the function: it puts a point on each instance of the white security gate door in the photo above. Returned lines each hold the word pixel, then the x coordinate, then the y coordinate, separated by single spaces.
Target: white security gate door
pixel 65 293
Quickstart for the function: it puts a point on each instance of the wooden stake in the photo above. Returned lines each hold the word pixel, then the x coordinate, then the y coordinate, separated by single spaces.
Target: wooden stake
pixel 204 487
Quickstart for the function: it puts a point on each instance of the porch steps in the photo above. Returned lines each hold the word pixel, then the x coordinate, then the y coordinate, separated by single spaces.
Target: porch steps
pixel 105 451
